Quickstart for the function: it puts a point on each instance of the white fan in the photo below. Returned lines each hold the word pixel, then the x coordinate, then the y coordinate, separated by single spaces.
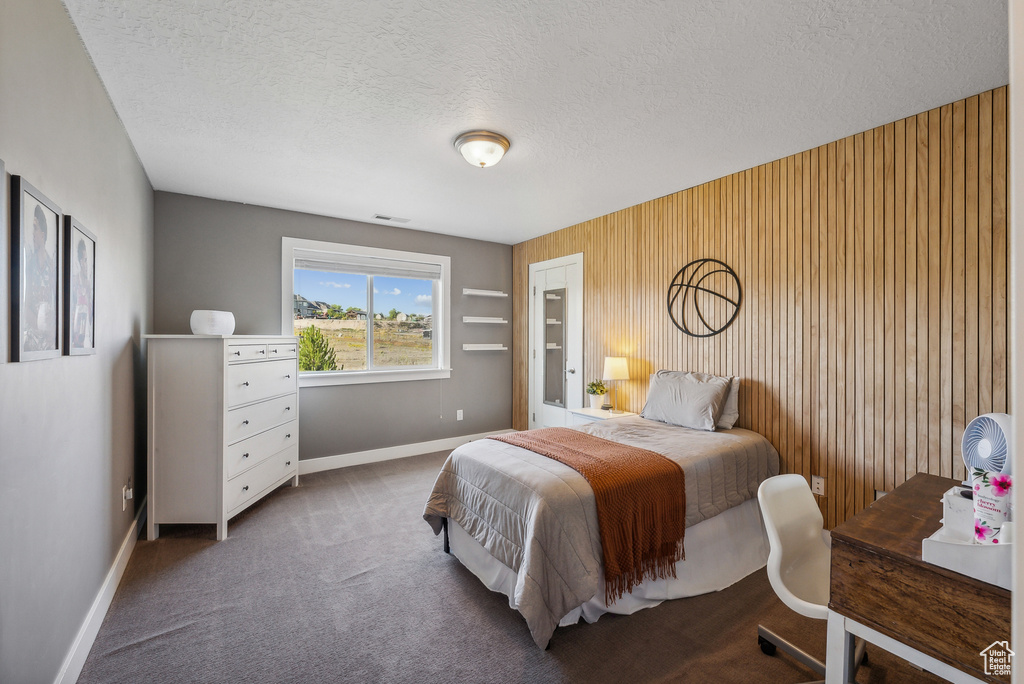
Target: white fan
pixel 986 443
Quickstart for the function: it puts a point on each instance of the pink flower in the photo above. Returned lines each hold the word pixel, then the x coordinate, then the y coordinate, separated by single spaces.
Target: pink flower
pixel 1001 485
pixel 980 530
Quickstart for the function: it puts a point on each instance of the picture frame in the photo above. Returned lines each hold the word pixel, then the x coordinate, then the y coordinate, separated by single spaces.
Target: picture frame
pixel 36 274
pixel 4 280
pixel 79 289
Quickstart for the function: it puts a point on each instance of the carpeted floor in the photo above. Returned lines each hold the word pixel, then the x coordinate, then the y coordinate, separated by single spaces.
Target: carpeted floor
pixel 341 580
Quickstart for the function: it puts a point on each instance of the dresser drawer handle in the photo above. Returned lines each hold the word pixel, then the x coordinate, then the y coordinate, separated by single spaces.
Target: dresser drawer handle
pixel 245 422
pixel 245 488
pixel 263 351
pixel 238 353
pixel 288 436
pixel 287 463
pixel 246 383
pixel 276 350
pixel 287 408
pixel 245 455
pixel 288 376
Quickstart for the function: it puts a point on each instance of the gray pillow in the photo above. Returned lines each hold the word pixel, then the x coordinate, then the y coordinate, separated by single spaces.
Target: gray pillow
pixel 692 400
pixel 731 409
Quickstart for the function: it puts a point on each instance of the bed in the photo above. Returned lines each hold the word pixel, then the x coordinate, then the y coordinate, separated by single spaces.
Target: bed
pixel 526 525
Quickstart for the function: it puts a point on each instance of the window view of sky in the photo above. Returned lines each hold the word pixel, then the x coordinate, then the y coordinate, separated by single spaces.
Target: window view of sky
pixel 408 295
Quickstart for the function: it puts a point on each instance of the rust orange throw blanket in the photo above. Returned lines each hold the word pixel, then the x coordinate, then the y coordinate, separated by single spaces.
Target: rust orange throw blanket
pixel 641 502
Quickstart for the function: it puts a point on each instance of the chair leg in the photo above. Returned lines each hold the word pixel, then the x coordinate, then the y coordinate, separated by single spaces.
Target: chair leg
pixel 766 635
pixel 769 641
pixel 860 654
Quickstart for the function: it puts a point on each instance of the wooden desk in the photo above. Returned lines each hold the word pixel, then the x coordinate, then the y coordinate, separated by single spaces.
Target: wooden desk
pixel 884 593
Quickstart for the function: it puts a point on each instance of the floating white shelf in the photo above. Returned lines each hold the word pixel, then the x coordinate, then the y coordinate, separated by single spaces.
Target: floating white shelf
pixel 552 321
pixel 553 345
pixel 484 347
pixel 483 293
pixel 552 297
pixel 497 320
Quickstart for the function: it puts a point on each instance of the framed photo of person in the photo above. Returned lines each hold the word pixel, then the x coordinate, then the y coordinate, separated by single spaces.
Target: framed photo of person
pixel 35 273
pixel 79 289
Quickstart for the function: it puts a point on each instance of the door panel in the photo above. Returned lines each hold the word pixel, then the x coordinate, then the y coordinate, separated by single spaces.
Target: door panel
pixel 556 340
pixel 554 347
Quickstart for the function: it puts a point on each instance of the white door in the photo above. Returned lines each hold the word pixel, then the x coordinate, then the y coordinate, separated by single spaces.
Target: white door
pixel 556 340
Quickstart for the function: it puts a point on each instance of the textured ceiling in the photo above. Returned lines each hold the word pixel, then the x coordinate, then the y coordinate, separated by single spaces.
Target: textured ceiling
pixel 349 109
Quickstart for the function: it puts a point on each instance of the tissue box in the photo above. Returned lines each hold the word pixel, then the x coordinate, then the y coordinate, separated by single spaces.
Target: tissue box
pixel 957 515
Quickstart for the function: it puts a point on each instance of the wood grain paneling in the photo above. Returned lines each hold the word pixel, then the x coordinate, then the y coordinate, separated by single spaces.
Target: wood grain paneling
pixel 874 316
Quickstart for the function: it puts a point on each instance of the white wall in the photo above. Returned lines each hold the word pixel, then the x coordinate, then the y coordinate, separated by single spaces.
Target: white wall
pixel 67 425
pixel 1017 306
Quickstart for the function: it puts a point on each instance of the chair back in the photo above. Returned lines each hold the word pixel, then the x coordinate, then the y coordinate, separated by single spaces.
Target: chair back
pixel 799 555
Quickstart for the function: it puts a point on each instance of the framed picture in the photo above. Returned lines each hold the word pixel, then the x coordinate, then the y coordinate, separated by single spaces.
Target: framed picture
pixel 4 242
pixel 35 273
pixel 79 289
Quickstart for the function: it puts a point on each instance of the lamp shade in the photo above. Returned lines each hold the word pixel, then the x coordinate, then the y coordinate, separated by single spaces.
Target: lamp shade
pixel 482 148
pixel 615 368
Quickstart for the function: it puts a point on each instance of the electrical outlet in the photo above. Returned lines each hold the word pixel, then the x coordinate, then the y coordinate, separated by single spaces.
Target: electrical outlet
pixel 818 485
pixel 458 415
pixel 126 493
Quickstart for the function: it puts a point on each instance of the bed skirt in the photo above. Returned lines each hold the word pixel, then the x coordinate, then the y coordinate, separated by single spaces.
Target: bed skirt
pixel 720 551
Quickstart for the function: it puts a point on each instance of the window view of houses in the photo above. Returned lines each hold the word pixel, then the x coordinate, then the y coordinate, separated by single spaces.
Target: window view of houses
pixel 336 305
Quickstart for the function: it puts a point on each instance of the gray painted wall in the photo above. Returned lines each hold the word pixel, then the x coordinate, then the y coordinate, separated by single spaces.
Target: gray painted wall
pixel 67 425
pixel 211 254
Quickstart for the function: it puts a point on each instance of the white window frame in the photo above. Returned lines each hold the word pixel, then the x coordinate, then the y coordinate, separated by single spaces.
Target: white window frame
pixel 441 336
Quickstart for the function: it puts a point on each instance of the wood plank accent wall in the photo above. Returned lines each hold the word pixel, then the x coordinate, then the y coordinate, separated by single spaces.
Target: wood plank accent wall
pixel 874 317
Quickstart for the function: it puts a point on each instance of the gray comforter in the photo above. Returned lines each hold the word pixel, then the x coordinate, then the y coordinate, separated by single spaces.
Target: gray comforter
pixel 538 517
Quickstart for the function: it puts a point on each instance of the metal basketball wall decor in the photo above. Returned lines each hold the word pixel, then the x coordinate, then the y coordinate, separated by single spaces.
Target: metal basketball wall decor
pixel 704 297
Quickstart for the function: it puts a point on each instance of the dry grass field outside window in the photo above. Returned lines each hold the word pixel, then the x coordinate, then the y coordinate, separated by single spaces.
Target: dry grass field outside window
pixel 396 343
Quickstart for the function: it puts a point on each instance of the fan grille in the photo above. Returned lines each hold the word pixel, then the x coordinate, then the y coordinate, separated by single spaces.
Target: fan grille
pixel 984 445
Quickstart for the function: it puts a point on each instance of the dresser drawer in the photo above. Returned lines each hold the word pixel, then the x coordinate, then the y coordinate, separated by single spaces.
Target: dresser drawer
pixel 255 418
pixel 282 351
pixel 255 481
pixel 243 455
pixel 254 381
pixel 238 353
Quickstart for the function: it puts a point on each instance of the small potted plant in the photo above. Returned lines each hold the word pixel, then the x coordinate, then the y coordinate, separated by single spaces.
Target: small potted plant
pixel 596 390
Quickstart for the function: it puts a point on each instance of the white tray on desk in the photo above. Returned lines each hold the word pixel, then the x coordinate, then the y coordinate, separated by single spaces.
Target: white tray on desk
pixel 986 562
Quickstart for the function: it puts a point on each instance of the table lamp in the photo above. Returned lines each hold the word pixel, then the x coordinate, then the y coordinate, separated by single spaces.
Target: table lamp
pixel 615 368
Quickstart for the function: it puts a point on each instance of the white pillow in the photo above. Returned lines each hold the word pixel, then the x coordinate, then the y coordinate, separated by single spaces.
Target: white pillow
pixel 692 400
pixel 731 409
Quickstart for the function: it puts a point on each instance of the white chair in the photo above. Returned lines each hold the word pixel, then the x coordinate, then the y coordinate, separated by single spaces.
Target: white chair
pixel 798 560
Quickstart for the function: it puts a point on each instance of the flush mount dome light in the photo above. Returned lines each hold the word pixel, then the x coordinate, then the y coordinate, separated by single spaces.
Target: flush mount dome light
pixel 482 148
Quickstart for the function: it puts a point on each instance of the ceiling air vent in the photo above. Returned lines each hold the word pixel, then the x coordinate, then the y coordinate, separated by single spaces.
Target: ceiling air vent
pixel 393 219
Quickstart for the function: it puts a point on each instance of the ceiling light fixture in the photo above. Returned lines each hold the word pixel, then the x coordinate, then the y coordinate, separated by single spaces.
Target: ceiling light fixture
pixel 482 148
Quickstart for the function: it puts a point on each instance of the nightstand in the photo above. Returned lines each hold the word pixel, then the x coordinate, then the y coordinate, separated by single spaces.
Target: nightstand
pixel 582 416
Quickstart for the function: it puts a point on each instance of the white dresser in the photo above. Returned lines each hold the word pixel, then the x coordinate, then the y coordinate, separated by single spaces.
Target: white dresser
pixel 223 425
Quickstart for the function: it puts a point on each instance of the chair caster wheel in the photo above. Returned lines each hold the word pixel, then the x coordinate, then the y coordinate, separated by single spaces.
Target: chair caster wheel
pixel 767 647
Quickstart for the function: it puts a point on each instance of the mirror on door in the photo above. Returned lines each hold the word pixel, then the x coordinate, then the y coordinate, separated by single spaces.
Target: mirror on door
pixel 554 347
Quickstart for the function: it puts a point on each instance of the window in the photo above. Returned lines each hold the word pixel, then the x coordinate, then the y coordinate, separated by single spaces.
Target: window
pixel 365 314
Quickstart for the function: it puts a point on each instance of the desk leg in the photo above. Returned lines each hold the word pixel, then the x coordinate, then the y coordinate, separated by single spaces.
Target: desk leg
pixel 840 651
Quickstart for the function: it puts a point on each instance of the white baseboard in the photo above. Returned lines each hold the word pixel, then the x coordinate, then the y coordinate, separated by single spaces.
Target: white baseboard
pixel 75 659
pixel 315 465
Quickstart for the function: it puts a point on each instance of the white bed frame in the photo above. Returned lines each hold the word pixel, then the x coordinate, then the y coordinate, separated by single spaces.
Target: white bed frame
pixel 720 551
